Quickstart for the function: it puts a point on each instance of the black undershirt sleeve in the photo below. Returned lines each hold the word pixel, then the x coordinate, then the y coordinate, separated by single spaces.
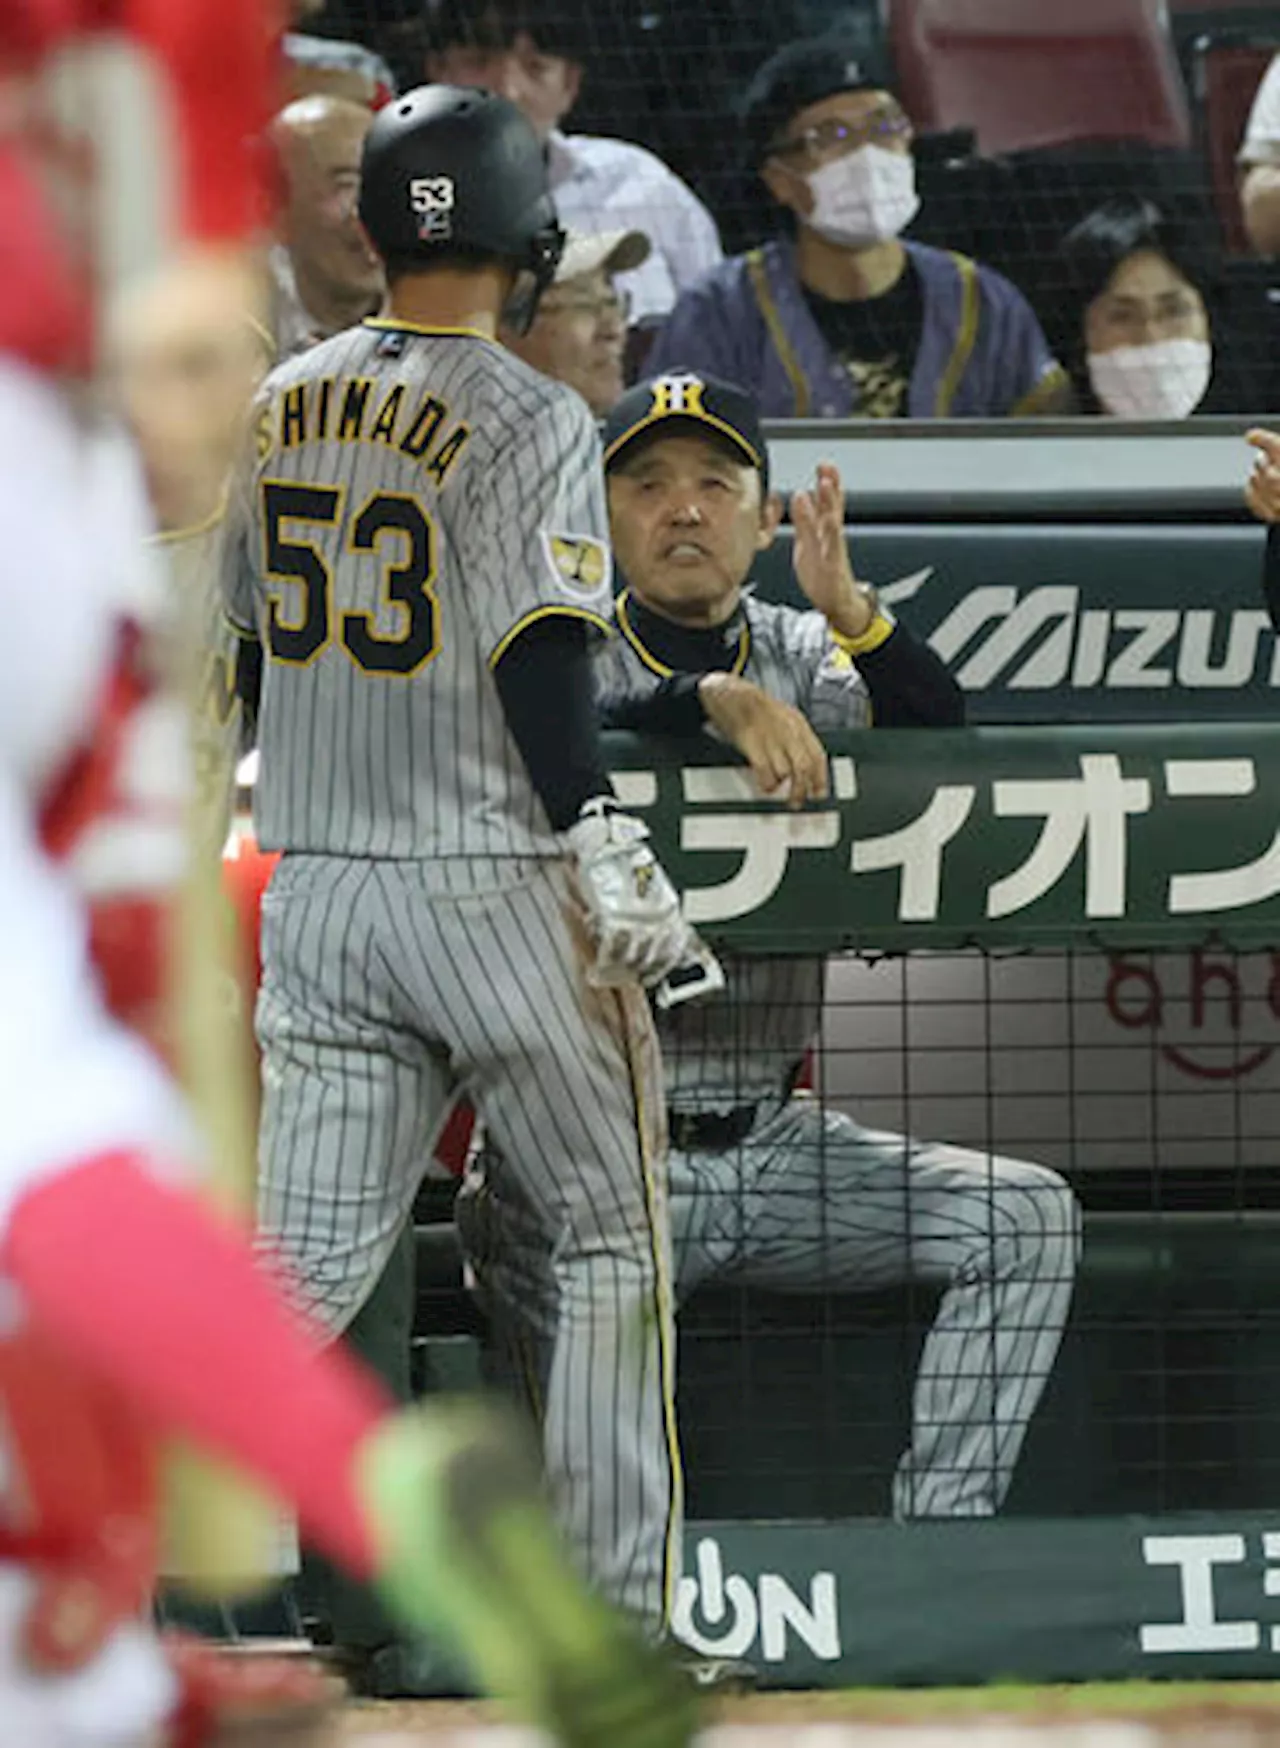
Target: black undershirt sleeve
pixel 247 680
pixel 544 682
pixel 672 708
pixel 910 686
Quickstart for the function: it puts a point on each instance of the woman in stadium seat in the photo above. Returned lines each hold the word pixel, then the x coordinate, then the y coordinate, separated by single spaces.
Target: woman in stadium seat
pixel 1140 324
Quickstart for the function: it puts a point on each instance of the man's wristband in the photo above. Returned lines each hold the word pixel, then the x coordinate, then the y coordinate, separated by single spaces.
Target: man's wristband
pixel 879 631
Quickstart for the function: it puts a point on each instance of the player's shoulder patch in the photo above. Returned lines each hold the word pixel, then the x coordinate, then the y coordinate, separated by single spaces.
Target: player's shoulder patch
pixel 581 566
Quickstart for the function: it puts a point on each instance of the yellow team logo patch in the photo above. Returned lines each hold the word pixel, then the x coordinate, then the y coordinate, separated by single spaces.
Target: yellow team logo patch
pixel 680 392
pixel 580 563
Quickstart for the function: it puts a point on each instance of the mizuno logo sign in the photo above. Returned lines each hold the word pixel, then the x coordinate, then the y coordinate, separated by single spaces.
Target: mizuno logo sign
pixel 1042 639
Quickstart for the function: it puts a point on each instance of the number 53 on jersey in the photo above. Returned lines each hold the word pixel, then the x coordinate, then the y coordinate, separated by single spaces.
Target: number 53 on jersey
pixel 395 533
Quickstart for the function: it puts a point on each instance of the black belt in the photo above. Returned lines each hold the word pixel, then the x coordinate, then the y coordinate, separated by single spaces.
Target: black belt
pixel 718 1131
pixel 711 1131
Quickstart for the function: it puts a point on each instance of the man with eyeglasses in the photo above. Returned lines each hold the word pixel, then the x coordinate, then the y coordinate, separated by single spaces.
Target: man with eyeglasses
pixel 842 318
pixel 579 334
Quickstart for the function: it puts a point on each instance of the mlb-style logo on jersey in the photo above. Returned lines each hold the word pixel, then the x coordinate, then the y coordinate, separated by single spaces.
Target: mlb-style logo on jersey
pixel 432 199
pixel 580 564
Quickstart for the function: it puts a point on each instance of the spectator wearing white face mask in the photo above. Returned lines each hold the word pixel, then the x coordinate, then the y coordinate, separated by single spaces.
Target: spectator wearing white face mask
pixel 842 317
pixel 1134 327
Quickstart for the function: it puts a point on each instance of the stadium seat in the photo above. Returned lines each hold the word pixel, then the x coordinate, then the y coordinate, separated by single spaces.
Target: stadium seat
pixel 1226 70
pixel 1035 73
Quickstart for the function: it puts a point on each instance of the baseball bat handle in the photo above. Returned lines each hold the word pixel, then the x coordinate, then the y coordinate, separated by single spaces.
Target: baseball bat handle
pixel 698 976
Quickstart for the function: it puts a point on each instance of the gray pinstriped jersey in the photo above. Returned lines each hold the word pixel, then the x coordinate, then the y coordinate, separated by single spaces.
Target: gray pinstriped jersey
pixel 415 499
pixel 737 1047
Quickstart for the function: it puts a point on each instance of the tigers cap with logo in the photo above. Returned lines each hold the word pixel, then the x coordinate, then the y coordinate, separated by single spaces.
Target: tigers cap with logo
pixel 696 400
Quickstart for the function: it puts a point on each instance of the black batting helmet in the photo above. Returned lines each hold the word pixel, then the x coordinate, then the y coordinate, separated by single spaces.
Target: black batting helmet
pixel 448 167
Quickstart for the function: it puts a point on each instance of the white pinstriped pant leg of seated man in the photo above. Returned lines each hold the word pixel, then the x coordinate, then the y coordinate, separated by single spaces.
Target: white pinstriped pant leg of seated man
pixel 812 1201
pixel 387 985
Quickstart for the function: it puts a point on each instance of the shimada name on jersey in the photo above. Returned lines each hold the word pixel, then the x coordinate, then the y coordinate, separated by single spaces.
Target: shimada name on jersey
pixel 338 409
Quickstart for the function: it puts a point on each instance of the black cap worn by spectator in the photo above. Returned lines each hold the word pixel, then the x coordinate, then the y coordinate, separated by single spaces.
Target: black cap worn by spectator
pixel 800 74
pixel 701 401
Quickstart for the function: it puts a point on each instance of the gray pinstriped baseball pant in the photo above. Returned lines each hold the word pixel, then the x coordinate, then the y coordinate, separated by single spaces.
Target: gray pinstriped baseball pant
pixel 388 986
pixel 813 1201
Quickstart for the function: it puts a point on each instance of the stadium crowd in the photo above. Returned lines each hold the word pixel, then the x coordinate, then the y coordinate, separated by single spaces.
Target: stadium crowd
pixel 883 268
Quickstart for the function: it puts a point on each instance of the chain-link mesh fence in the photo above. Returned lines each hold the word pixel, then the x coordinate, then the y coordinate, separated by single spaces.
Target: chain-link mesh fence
pixel 1050 144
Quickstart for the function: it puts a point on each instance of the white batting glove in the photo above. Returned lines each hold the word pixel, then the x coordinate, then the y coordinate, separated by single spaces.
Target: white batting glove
pixel 632 909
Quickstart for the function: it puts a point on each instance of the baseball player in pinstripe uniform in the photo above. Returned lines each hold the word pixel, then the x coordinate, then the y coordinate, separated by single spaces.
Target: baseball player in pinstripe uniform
pixel 422 553
pixel 129 1313
pixel 768 1188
